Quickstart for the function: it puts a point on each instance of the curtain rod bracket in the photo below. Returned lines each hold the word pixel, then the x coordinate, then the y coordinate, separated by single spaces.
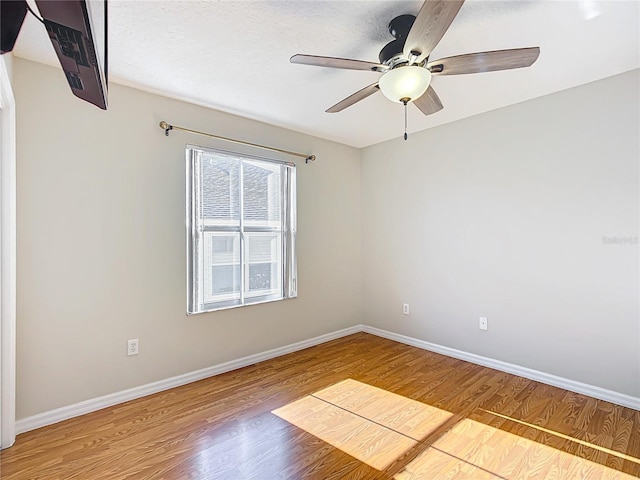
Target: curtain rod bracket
pixel 167 127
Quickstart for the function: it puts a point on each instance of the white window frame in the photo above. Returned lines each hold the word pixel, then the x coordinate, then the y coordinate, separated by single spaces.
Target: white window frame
pixel 198 228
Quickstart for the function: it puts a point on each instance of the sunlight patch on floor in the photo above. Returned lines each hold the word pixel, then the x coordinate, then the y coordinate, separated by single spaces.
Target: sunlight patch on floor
pixel 567 437
pixel 377 427
pixel 368 423
pixel 434 464
pixel 401 414
pixel 472 450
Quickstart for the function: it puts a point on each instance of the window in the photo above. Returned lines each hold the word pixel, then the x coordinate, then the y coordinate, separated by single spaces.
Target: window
pixel 241 230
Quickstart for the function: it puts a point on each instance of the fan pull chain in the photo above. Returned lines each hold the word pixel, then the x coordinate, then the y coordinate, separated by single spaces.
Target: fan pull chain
pixel 405 120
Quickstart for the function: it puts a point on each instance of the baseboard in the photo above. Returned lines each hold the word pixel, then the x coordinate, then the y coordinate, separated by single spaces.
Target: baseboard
pixel 542 377
pixel 81 408
pixel 87 406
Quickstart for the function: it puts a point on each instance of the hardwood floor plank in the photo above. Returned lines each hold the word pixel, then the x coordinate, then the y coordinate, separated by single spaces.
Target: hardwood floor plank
pixel 469 422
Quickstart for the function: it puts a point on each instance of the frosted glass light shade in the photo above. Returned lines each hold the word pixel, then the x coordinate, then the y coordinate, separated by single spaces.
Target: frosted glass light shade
pixel 408 82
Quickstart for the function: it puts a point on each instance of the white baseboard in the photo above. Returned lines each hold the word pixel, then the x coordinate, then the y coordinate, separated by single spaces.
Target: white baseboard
pixel 542 377
pixel 87 406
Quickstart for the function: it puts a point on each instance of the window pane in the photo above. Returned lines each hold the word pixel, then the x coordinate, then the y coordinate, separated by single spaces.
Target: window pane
pixel 262 192
pixel 225 280
pixel 221 266
pixel 263 263
pixel 260 276
pixel 220 190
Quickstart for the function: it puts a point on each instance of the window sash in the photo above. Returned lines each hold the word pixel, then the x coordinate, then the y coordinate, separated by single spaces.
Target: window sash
pixel 198 229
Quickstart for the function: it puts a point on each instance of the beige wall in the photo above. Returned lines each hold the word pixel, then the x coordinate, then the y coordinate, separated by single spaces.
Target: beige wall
pixel 503 215
pixel 101 243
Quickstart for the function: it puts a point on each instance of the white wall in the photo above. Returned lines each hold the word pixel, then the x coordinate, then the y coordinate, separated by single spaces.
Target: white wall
pixel 8 63
pixel 101 243
pixel 503 215
pixel 7 253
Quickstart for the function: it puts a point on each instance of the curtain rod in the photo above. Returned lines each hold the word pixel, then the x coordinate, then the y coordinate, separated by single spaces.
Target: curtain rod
pixel 167 128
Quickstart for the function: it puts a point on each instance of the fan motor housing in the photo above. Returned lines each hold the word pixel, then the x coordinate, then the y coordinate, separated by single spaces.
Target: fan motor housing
pixel 398 27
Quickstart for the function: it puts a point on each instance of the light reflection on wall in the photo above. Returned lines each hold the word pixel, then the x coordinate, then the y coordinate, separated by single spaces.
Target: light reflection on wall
pixel 589 9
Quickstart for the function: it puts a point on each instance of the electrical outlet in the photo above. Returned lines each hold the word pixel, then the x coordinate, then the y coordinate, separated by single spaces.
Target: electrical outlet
pixel 132 347
pixel 484 323
pixel 405 308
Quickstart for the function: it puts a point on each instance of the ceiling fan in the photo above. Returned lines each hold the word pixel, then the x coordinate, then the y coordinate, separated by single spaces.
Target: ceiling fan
pixel 405 65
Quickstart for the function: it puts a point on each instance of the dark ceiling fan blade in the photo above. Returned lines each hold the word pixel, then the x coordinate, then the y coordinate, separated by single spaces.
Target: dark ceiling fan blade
pixel 430 25
pixel 429 102
pixel 485 61
pixel 354 98
pixel 334 62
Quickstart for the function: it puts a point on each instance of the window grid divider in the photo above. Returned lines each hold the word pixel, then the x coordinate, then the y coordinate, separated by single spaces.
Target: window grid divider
pixel 242 239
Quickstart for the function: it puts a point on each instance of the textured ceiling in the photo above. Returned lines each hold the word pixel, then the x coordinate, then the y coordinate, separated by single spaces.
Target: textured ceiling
pixel 234 56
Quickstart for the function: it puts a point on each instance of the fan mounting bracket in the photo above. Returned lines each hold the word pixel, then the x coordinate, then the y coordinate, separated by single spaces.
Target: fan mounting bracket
pixel 399 27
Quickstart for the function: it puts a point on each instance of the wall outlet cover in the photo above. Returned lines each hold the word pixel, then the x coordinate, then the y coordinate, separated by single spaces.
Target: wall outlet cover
pixel 484 323
pixel 132 347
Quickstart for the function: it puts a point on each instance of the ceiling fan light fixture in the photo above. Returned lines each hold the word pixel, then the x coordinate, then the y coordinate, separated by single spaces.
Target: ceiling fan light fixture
pixel 405 84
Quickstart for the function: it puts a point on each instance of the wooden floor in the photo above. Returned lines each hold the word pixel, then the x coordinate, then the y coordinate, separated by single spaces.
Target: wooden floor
pixel 456 420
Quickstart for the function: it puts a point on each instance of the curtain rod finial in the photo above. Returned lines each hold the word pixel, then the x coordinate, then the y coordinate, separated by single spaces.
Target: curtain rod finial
pixel 310 158
pixel 166 127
